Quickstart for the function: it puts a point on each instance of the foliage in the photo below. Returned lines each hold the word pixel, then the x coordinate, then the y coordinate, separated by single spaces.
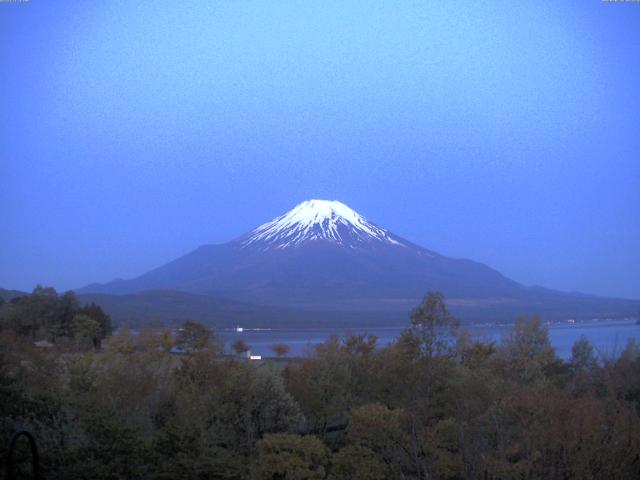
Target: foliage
pixel 85 328
pixel 46 315
pixel 291 457
pixel 582 357
pixel 105 329
pixel 527 353
pixel 194 336
pixel 437 404
pixel 433 329
pixel 355 462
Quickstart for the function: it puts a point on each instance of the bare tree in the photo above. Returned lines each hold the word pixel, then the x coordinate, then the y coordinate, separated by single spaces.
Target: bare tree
pixel 280 349
pixel 240 347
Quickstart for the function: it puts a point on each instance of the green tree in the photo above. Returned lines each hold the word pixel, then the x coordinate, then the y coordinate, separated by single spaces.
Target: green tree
pixel 631 352
pixel 291 457
pixel 33 316
pixel 355 462
pixel 67 308
pixel 381 430
pixel 41 315
pixel 104 321
pixel 582 357
pixel 433 329
pixel 86 329
pixel 193 336
pixel 527 353
pixel 625 374
pixel 323 386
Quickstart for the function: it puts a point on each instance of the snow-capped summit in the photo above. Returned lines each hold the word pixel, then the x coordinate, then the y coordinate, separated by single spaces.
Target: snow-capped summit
pixel 323 257
pixel 314 220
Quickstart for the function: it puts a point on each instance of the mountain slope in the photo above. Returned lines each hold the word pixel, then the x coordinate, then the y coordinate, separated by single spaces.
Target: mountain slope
pixel 319 252
pixel 324 256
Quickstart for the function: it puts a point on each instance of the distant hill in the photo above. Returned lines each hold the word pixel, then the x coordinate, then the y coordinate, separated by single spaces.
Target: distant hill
pixel 171 308
pixel 166 307
pixel 7 295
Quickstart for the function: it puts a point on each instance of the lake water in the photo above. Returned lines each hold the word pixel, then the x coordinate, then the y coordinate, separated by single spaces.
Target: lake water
pixel 607 337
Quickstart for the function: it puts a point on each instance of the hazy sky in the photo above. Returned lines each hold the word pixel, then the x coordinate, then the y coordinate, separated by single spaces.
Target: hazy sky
pixel 506 132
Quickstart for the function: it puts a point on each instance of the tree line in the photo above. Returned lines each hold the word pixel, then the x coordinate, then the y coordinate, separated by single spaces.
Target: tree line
pixel 436 404
pixel 46 316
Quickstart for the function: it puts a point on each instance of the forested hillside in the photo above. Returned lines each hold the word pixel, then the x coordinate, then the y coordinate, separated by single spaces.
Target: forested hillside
pixel 437 404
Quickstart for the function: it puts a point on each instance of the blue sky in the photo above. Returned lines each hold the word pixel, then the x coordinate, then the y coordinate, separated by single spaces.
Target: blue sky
pixel 504 132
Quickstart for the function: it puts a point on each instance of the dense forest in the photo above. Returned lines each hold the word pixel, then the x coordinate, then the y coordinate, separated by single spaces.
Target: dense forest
pixel 436 404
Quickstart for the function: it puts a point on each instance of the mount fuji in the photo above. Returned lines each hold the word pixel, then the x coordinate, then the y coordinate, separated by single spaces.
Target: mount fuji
pixel 324 256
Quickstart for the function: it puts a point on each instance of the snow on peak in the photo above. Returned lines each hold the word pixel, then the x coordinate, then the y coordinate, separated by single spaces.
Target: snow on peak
pixel 318 220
